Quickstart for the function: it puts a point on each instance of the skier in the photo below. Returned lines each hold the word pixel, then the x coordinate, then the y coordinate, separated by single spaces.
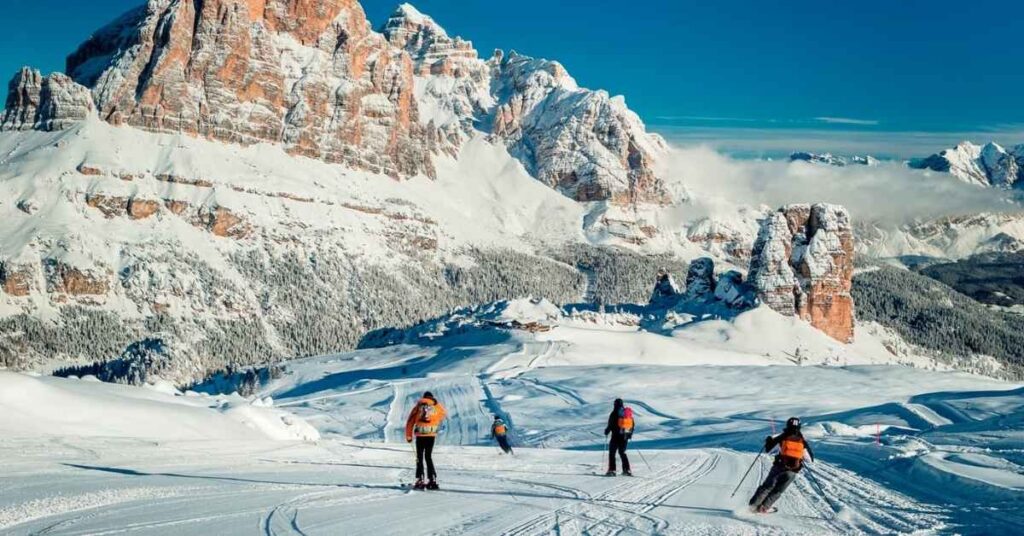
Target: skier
pixel 620 426
pixel 500 432
pixel 788 463
pixel 423 422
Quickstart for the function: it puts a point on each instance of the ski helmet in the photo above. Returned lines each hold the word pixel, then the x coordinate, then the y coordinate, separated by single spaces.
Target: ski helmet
pixel 793 423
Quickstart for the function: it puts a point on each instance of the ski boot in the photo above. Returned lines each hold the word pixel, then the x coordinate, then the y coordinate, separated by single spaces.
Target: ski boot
pixel 627 472
pixel 610 473
pixel 419 485
pixel 432 485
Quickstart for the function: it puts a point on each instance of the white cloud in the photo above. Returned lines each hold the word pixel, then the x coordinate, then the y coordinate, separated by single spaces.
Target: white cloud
pixel 846 121
pixel 887 193
pixel 780 142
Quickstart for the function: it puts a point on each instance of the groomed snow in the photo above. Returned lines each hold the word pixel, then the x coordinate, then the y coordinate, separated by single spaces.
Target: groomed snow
pixel 900 450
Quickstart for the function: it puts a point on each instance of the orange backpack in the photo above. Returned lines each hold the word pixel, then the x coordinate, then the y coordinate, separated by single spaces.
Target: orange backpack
pixel 792 449
pixel 626 421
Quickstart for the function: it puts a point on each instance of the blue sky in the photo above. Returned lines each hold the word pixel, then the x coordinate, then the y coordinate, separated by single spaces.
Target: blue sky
pixel 893 65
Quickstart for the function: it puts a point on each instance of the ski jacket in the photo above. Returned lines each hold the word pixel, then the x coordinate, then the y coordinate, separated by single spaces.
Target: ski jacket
pixel 499 429
pixel 424 419
pixel 791 445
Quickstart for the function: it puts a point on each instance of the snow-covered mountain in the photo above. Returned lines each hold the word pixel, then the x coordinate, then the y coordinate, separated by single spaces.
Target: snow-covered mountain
pixel 584 143
pixel 833 160
pixel 984 165
pixel 222 174
pixel 247 181
pixel 314 78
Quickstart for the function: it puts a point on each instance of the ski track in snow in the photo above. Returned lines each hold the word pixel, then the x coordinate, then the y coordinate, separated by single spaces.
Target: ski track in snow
pixel 699 427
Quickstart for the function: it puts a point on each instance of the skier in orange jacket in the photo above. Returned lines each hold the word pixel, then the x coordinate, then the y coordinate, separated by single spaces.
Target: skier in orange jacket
pixel 788 463
pixel 423 423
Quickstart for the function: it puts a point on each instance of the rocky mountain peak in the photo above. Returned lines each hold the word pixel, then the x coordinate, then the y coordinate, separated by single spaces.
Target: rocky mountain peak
pixel 308 74
pixel 432 50
pixel 37 102
pixel 584 143
pixel 802 265
pixel 313 77
pixel 984 165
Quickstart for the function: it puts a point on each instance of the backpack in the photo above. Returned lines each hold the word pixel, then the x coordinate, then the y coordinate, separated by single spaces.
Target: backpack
pixel 426 412
pixel 791 450
pixel 626 421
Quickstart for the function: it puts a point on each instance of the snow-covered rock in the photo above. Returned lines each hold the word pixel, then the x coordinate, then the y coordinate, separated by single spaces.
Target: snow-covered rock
pixel 313 76
pixel 984 165
pixel 44 103
pixel 832 160
pixel 665 289
pixel 309 74
pixel 586 144
pixel 700 279
pixel 802 265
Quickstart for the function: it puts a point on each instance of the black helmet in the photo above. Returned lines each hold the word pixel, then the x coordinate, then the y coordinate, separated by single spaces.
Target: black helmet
pixel 793 423
pixel 428 394
pixel 619 403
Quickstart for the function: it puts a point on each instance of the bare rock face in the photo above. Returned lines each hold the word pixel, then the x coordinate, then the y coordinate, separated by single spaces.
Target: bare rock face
pixel 586 144
pixel 223 222
pixel 802 265
pixel 140 209
pixel 17 279
pixel 110 206
pixel 309 74
pixel 44 103
pixel 62 278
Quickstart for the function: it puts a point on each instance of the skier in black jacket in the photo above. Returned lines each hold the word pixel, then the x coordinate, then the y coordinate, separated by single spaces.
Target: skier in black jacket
pixel 788 463
pixel 620 426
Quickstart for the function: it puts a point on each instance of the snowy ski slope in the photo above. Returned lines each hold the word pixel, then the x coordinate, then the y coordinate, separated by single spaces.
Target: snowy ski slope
pixel 901 450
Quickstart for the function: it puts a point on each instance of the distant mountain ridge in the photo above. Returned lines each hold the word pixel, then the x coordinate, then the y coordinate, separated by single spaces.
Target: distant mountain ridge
pixel 984 165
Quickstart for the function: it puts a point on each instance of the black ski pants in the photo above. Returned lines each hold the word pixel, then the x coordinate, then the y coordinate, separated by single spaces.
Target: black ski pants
pixel 424 452
pixel 503 443
pixel 778 479
pixel 618 444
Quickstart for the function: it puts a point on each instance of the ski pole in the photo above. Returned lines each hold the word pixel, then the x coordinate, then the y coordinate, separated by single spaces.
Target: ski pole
pixel 758 457
pixel 638 451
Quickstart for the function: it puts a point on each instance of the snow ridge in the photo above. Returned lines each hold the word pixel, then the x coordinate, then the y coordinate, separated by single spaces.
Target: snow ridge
pixel 983 165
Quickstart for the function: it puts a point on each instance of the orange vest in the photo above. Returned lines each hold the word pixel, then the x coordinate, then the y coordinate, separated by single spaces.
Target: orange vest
pixel 499 429
pixel 792 447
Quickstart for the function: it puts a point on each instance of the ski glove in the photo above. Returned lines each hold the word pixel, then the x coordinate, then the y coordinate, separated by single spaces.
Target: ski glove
pixel 768 444
pixel 606 431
